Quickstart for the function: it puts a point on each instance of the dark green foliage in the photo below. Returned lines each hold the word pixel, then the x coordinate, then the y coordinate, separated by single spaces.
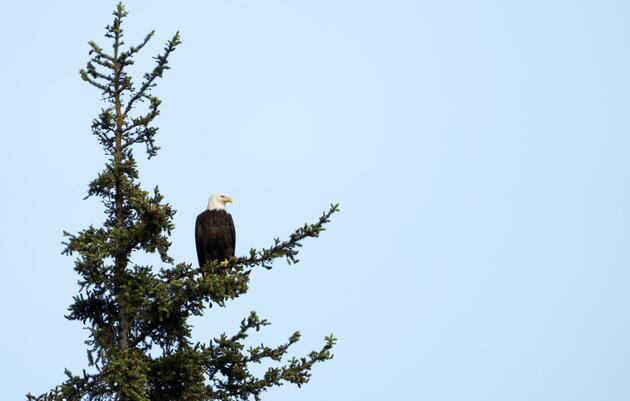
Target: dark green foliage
pixel 139 348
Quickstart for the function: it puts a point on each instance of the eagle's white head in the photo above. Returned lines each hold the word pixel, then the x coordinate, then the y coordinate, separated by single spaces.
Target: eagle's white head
pixel 218 201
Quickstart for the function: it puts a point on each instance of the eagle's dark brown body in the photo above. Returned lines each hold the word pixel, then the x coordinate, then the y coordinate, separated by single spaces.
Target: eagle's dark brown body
pixel 215 236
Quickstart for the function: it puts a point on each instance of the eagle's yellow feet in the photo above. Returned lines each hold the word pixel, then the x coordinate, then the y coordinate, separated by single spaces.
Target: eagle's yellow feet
pixel 225 263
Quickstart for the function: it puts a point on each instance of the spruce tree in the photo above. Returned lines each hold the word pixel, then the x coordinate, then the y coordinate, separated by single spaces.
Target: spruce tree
pixel 139 345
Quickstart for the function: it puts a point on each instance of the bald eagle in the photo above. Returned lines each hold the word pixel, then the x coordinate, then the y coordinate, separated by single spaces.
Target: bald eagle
pixel 215 236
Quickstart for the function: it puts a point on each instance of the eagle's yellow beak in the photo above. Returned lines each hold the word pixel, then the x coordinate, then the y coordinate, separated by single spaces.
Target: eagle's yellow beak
pixel 228 199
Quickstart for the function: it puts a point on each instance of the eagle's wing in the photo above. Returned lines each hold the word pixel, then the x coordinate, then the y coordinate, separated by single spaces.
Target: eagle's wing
pixel 199 241
pixel 233 236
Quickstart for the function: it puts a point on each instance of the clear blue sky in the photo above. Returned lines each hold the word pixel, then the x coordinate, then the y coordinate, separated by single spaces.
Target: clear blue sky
pixel 479 150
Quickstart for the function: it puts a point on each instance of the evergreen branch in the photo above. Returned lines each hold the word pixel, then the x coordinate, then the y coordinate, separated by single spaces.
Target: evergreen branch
pixel 288 248
pixel 136 49
pixel 104 125
pixel 140 131
pixel 104 88
pixel 75 388
pixel 103 63
pixel 158 70
pixel 153 219
pixel 145 120
pixel 99 52
pixel 91 70
pixel 126 57
pixel 227 363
